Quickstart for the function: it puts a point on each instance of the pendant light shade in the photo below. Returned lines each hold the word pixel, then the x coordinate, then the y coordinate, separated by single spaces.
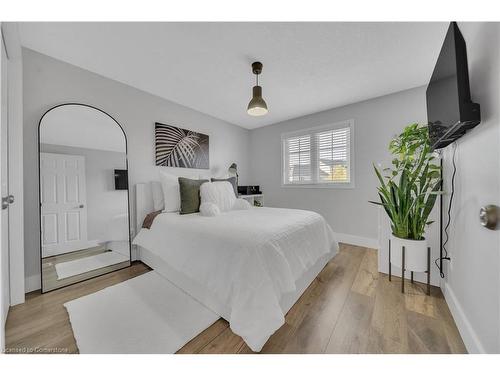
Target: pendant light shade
pixel 257 106
pixel 233 168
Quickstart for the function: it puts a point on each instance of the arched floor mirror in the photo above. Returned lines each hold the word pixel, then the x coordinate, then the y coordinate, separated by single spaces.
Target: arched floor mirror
pixel 84 198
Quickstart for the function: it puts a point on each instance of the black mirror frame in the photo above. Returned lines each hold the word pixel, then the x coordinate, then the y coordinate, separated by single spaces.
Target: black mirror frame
pixel 40 197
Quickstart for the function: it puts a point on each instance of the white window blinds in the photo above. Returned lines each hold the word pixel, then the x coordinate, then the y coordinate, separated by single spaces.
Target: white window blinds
pixel 318 156
pixel 299 158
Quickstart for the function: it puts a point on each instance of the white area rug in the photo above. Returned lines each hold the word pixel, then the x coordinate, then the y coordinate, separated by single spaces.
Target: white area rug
pixel 93 262
pixel 146 314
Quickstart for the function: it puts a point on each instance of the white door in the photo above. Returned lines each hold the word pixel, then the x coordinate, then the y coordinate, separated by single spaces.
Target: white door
pixel 4 219
pixel 63 203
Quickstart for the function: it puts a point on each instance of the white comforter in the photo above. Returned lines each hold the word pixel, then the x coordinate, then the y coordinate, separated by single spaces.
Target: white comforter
pixel 248 259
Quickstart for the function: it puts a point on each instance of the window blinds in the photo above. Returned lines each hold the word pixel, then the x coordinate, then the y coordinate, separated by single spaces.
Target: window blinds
pixel 320 156
pixel 298 150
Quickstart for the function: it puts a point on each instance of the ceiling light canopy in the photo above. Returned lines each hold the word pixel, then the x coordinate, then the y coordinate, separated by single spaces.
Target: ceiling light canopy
pixel 257 106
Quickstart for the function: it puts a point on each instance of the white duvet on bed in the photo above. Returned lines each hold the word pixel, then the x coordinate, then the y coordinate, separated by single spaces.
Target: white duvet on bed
pixel 248 259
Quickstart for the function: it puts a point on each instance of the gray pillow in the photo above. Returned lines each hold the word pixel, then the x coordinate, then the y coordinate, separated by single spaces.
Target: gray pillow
pixel 231 180
pixel 190 195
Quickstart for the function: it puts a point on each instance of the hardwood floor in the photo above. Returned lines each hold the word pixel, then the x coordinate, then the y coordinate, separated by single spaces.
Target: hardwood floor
pixel 348 308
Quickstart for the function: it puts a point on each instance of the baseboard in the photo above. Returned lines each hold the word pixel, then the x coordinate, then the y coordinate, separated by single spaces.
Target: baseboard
pixel 469 336
pixel 32 283
pixel 372 243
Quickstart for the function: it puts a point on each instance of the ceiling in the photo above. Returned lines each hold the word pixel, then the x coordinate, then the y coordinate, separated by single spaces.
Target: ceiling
pixel 308 67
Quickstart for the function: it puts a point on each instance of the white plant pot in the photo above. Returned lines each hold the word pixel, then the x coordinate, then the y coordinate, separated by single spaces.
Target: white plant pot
pixel 415 253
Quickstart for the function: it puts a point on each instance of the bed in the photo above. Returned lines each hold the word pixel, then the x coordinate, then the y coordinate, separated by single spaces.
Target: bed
pixel 248 266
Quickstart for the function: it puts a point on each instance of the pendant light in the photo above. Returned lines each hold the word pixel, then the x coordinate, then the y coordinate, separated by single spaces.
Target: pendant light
pixel 257 106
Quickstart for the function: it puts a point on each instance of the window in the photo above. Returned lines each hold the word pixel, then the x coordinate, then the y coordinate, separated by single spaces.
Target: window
pixel 318 157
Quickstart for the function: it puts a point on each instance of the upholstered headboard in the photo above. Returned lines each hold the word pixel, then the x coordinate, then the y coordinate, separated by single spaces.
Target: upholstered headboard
pixel 143 202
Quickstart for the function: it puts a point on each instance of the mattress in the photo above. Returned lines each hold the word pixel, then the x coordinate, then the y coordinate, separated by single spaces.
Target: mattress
pixel 247 259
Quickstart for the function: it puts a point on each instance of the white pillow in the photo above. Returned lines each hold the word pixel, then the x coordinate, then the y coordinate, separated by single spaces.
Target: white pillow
pixel 209 209
pixel 171 194
pixel 241 204
pixel 158 199
pixel 220 193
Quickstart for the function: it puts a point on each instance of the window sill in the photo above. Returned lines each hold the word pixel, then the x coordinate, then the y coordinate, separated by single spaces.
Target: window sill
pixel 349 185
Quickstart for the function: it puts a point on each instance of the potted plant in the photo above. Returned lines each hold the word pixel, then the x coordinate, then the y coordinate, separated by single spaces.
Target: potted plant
pixel 408 192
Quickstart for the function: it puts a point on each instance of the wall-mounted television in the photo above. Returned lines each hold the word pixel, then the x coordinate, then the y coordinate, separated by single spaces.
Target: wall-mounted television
pixel 121 179
pixel 450 110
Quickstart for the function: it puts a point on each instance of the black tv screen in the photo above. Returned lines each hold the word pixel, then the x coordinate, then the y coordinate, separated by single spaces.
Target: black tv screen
pixel 121 179
pixel 450 110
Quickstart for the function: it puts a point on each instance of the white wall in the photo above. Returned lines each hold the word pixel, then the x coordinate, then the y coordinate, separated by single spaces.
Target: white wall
pixel 472 280
pixel 103 201
pixel 48 82
pixel 376 121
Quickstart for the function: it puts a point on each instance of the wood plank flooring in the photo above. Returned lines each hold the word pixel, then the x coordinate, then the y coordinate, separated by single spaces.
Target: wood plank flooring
pixel 348 308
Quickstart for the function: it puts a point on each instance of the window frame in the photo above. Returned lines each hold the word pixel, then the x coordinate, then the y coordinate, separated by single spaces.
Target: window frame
pixel 309 131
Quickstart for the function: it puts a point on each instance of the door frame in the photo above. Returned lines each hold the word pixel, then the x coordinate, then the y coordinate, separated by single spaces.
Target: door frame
pixel 12 44
pixel 4 251
pixel 40 198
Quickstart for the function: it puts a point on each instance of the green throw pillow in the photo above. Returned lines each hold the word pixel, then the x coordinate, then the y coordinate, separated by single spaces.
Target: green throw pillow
pixel 190 195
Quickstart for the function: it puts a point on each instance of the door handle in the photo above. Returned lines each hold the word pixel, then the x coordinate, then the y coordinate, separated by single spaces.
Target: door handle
pixel 81 206
pixel 6 201
pixel 489 216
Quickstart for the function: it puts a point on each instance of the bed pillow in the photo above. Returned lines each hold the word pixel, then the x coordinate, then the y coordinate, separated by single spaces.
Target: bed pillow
pixel 209 209
pixel 158 199
pixel 190 195
pixel 171 195
pixel 231 180
pixel 220 193
pixel 241 204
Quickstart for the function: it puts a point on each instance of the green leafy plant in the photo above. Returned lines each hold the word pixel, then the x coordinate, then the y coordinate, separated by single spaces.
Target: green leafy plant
pixel 408 190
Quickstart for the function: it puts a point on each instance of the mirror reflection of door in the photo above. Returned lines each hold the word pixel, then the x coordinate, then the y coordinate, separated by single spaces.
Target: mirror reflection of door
pixel 84 214
pixel 63 195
